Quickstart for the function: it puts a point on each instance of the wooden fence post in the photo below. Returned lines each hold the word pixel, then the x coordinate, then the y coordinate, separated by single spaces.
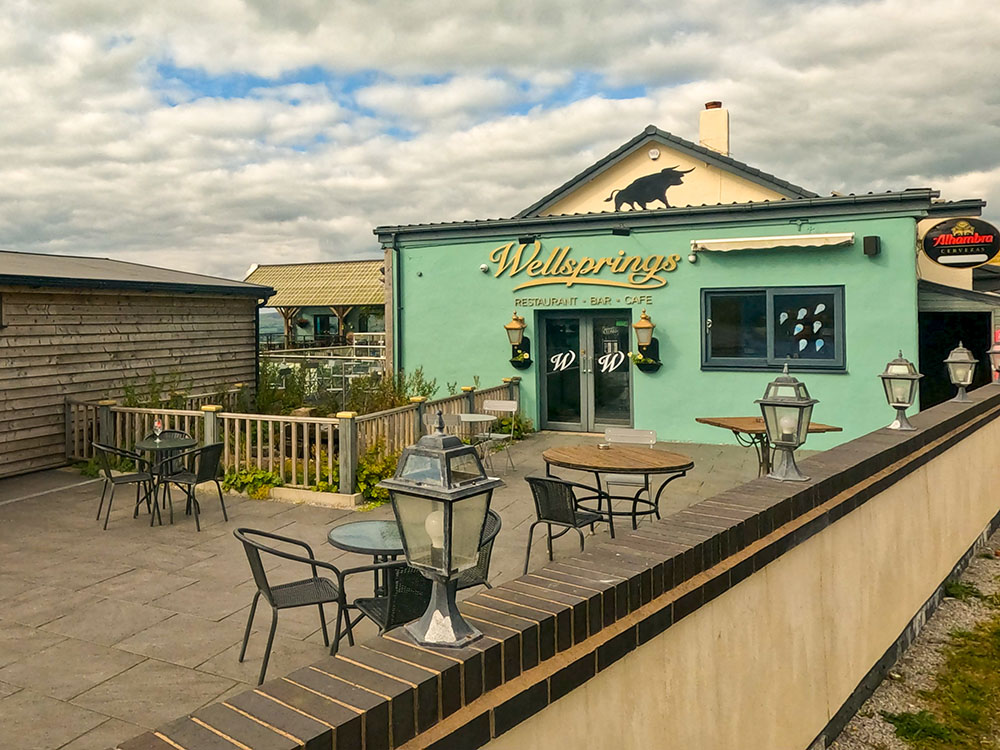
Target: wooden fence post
pixel 210 413
pixel 418 415
pixel 514 389
pixel 348 451
pixel 105 424
pixel 470 395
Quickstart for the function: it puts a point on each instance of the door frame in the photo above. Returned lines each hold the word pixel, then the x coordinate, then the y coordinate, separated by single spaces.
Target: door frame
pixel 587 421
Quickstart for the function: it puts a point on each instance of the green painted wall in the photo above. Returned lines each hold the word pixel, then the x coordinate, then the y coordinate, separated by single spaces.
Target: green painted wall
pixel 452 317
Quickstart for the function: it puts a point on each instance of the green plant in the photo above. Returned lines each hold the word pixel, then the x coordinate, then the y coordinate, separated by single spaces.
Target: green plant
pixel 280 389
pixel 252 481
pixel 375 465
pixel 381 391
pixel 640 359
pixel 522 425
pixel 915 727
pixel 452 388
pixel 88 468
pixel 155 392
pixel 961 590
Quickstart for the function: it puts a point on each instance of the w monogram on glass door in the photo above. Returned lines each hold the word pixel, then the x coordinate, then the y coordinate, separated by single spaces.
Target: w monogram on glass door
pixel 586 384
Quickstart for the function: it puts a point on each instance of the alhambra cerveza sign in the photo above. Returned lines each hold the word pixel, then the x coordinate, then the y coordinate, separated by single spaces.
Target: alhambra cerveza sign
pixel 558 266
pixel 962 243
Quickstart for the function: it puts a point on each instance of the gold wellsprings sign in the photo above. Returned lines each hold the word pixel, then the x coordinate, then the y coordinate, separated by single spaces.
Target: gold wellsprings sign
pixel 637 271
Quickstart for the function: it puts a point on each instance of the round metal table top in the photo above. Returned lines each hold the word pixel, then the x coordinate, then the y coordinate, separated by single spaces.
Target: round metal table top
pixel 755 425
pixel 165 444
pixel 476 418
pixel 618 459
pixel 367 538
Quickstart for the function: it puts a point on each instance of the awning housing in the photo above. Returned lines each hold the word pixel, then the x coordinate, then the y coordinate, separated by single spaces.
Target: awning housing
pixel 762 243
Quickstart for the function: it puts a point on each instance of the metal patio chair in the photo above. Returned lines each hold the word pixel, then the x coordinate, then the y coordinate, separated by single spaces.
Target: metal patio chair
pixel 629 436
pixel 479 575
pixel 189 469
pixel 407 595
pixel 502 440
pixel 305 592
pixel 556 504
pixel 142 479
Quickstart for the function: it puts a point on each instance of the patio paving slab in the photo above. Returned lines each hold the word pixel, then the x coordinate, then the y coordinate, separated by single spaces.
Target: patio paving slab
pixel 287 655
pixel 140 585
pixel 153 693
pixel 107 621
pixel 32 721
pixel 212 600
pixel 68 668
pixel 7 689
pixel 18 641
pixel 42 604
pixel 104 736
pixel 184 640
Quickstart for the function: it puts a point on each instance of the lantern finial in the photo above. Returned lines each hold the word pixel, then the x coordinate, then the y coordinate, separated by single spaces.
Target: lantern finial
pixel 439 427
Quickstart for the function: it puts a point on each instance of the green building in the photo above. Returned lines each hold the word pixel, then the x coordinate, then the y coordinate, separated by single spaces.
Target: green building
pixel 739 271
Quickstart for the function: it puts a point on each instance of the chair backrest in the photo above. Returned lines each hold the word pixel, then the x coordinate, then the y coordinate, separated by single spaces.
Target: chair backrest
pixel 169 434
pixel 409 595
pixel 554 500
pixel 451 421
pixel 626 435
pixel 509 407
pixel 253 549
pixel 103 454
pixel 206 462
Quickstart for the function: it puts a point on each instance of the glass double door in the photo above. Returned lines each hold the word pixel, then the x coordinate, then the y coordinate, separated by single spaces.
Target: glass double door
pixel 586 385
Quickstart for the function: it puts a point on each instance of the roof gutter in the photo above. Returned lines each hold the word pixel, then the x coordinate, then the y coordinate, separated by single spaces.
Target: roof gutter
pixel 144 286
pixel 916 201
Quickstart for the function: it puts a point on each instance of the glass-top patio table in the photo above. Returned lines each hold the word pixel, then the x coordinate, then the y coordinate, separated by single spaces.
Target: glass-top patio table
pixel 161 449
pixel 380 539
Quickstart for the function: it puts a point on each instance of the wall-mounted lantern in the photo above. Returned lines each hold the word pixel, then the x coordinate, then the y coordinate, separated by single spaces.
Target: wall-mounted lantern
pixel 647 355
pixel 900 383
pixel 961 367
pixel 787 410
pixel 520 345
pixel 440 495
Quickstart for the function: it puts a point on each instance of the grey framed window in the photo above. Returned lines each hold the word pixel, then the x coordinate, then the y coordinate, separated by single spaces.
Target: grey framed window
pixel 762 328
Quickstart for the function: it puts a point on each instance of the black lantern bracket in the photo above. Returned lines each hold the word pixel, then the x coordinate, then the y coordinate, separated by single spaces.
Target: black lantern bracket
pixel 520 354
pixel 651 351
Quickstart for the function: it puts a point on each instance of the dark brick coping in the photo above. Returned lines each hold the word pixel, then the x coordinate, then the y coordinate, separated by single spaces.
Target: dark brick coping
pixel 552 630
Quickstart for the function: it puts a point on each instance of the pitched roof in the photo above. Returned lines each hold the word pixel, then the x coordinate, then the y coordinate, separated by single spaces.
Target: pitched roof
pixel 653 133
pixel 348 282
pixel 41 269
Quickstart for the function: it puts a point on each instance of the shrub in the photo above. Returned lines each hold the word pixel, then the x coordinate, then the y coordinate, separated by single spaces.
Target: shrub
pixel 253 482
pixel 374 466
pixel 522 425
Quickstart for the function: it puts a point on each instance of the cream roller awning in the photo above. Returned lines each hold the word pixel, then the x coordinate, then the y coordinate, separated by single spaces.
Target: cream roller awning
pixel 762 243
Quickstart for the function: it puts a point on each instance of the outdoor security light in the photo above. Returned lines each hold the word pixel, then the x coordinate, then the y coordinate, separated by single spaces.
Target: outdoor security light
pixel 900 383
pixel 961 367
pixel 440 495
pixel 787 410
pixel 643 330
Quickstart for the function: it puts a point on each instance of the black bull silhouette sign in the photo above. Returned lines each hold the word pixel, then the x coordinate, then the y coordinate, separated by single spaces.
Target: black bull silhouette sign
pixel 645 190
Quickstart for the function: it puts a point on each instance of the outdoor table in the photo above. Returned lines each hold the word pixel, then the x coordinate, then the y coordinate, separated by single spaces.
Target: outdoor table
pixel 751 432
pixel 157 448
pixel 380 539
pixel 473 421
pixel 621 459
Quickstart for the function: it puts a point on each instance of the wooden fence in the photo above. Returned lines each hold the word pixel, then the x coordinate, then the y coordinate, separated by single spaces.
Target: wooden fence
pixel 302 450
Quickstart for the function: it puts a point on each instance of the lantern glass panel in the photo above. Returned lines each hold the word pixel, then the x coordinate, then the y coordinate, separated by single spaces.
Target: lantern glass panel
pixel 805 418
pixel 515 335
pixel 424 523
pixel 961 372
pixel 899 391
pixel 465 467
pixel 469 515
pixel 995 358
pixel 782 390
pixel 644 336
pixel 422 469
pixel 782 424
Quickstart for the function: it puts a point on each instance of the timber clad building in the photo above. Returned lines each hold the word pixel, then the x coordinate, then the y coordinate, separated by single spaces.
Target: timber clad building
pixel 85 327
pixel 740 272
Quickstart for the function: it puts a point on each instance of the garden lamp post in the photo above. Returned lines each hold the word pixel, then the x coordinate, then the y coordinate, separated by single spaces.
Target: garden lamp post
pixel 900 383
pixel 787 410
pixel 994 354
pixel 961 367
pixel 440 495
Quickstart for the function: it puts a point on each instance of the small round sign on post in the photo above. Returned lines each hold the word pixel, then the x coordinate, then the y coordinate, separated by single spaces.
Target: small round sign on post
pixel 962 243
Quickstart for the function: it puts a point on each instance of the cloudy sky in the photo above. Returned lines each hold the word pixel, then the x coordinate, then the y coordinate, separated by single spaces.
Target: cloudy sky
pixel 211 134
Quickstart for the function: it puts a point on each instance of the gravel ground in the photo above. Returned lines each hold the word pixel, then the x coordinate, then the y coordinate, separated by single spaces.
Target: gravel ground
pixel 915 671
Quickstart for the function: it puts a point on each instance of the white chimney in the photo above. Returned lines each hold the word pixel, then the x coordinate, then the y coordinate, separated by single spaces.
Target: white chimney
pixel 713 128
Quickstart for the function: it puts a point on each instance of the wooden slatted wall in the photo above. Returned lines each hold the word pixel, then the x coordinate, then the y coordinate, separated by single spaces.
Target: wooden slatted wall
pixel 88 343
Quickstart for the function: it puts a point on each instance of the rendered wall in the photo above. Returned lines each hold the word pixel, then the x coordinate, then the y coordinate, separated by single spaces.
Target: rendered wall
pixel 765 665
pixel 452 317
